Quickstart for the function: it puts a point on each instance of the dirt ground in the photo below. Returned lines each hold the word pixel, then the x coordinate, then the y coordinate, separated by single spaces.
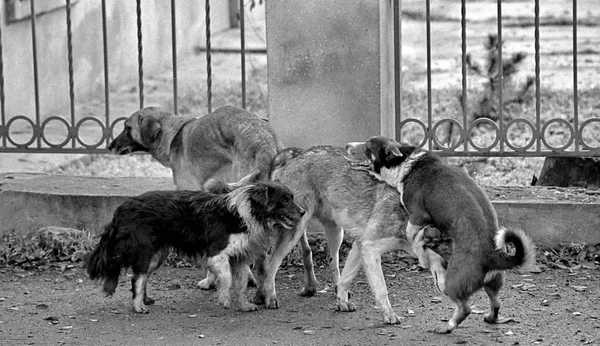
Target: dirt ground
pixel 61 306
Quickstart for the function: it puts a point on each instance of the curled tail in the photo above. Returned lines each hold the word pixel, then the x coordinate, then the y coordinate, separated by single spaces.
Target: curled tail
pixel 102 264
pixel 515 249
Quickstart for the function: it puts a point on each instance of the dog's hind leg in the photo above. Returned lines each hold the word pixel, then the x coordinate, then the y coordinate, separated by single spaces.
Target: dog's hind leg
pixel 371 255
pixel 462 280
pixel 492 284
pixel 335 236
pixel 220 266
pixel 209 282
pixel 240 282
pixel 138 289
pixel 283 244
pixel 351 268
pixel 431 260
pixel 310 279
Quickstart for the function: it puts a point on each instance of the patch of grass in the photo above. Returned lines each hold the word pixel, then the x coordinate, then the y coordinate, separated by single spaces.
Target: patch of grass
pixel 43 248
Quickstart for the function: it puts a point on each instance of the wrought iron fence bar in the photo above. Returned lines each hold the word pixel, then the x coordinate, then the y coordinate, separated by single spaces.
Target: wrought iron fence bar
pixel 500 77
pixel 174 54
pixel 463 34
pixel 36 86
pixel 397 25
pixel 429 106
pixel 243 52
pixel 538 120
pixel 208 58
pixel 140 52
pixel 70 61
pixel 575 79
pixel 106 76
pixel 2 99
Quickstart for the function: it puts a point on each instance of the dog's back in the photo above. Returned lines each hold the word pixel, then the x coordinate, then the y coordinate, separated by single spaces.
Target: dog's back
pixel 322 178
pixel 230 142
pixel 145 227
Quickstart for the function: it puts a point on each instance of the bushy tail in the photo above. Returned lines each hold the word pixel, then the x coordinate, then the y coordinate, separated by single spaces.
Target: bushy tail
pixel 101 263
pixel 515 249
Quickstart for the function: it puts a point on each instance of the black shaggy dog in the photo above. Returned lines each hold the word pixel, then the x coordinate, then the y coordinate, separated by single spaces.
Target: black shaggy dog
pixel 226 232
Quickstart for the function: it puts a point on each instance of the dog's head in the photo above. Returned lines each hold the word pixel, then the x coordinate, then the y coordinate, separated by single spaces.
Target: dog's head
pixel 379 152
pixel 272 204
pixel 141 132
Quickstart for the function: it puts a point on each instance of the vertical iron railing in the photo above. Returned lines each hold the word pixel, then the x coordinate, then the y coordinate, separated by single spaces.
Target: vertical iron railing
pixel 243 52
pixel 140 52
pixel 462 142
pixel 36 86
pixel 71 72
pixel 174 53
pixel 106 75
pixel 3 128
pixel 208 59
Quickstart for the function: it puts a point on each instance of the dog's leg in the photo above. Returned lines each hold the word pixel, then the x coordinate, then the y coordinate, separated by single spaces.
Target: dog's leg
pixel 220 266
pixel 371 255
pixel 155 263
pixel 462 280
pixel 431 260
pixel 351 268
pixel 335 236
pixel 209 282
pixel 138 289
pixel 310 279
pixel 284 243
pixel 493 282
pixel 240 282
pixel 412 231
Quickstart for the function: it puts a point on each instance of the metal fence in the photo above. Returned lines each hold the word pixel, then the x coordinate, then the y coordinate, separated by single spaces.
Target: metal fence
pixel 73 143
pixel 463 143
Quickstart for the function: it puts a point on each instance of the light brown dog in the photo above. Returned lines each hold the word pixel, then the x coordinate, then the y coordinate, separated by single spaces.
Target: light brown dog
pixel 343 200
pixel 226 144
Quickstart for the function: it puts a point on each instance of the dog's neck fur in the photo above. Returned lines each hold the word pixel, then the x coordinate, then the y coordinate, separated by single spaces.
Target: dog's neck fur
pixel 170 130
pixel 394 176
pixel 257 238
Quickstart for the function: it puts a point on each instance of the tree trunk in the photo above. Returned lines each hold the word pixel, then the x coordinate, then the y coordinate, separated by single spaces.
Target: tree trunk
pixel 570 172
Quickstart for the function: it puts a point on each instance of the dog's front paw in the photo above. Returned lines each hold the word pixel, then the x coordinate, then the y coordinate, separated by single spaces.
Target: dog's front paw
pixel 224 302
pixel 206 284
pixel 445 329
pixel 271 302
pixel 140 309
pixel 391 318
pixel 149 301
pixel 346 306
pixel 308 291
pixel 247 306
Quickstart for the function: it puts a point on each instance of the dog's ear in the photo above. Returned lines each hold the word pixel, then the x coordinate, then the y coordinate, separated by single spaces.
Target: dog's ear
pixel 149 129
pixel 391 152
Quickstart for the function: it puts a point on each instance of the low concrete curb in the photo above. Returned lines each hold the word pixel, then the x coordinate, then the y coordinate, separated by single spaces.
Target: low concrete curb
pixel 32 201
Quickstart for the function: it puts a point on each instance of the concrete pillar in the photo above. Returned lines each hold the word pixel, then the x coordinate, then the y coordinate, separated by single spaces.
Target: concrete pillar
pixel 324 70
